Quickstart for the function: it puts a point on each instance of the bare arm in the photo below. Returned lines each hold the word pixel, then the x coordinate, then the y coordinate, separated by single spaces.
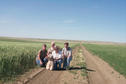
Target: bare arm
pixel 70 53
pixel 62 52
pixel 39 53
pixel 63 55
pixel 47 55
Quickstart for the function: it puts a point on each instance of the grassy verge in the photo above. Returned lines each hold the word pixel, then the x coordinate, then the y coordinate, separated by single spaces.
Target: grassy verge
pixel 115 55
pixel 78 63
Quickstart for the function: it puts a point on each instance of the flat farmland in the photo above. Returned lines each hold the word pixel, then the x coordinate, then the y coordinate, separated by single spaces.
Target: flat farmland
pixel 115 55
pixel 18 56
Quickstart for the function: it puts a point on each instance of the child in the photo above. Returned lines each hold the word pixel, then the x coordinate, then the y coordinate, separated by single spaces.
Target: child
pixel 50 64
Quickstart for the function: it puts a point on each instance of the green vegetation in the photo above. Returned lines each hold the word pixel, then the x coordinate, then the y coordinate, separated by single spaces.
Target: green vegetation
pixel 18 56
pixel 115 55
pixel 78 62
pixel 82 63
pixel 19 40
pixel 73 72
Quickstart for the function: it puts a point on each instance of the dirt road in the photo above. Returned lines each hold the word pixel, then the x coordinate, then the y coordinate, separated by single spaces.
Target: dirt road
pixel 103 73
pixel 60 77
pixel 47 77
pixel 99 72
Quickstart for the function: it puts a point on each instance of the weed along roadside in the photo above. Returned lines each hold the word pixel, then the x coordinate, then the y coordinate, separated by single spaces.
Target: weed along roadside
pixel 79 63
pixel 78 73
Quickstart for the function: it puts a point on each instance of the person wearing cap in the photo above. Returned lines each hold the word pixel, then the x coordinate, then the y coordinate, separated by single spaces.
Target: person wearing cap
pixel 57 56
pixel 41 58
pixel 67 55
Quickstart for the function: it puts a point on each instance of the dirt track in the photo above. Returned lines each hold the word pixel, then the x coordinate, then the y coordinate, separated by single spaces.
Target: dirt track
pixel 99 72
pixel 102 73
pixel 58 77
pixel 47 77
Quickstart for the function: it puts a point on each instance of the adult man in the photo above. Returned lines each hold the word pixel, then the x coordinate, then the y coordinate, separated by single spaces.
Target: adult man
pixel 67 54
pixel 41 59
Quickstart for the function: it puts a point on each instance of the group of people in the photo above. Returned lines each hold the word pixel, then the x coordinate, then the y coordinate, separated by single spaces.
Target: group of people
pixel 53 58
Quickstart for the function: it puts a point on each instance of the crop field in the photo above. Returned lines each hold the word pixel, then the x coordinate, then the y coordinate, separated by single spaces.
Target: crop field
pixel 18 56
pixel 115 55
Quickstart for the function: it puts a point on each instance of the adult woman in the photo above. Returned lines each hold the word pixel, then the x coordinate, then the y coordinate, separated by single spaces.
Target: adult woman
pixel 57 56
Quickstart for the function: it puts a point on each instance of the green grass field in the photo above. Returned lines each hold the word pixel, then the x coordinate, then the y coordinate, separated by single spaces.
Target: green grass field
pixel 115 55
pixel 18 56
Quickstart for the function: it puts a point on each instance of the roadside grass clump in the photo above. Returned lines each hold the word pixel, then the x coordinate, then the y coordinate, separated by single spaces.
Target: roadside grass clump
pixel 83 71
pixel 73 72
pixel 115 55
pixel 79 63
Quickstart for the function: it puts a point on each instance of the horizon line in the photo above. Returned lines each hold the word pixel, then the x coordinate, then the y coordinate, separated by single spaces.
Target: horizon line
pixel 62 39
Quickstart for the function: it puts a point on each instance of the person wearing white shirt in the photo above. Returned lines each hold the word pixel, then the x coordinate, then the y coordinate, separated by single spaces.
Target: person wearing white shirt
pixel 57 56
pixel 67 54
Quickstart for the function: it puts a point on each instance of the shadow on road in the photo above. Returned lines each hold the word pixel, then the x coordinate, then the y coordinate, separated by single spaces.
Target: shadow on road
pixel 76 68
pixel 79 68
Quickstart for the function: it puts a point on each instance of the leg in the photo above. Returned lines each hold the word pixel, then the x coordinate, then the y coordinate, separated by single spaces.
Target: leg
pixel 48 65
pixel 59 62
pixel 64 63
pixel 38 62
pixel 45 60
pixel 68 61
pixel 55 65
pixel 51 65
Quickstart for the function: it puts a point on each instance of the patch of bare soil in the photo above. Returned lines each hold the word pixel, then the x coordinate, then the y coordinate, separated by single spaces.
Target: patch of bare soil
pixel 24 78
pixel 47 77
pixel 72 78
pixel 101 72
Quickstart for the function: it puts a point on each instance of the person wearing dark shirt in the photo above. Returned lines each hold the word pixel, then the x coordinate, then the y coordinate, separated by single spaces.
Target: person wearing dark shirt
pixel 41 58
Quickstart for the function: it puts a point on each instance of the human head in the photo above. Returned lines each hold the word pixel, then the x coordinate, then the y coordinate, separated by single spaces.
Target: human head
pixel 53 44
pixel 44 47
pixel 57 49
pixel 66 44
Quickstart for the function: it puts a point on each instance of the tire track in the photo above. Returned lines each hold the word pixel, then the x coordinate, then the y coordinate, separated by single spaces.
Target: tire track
pixel 102 73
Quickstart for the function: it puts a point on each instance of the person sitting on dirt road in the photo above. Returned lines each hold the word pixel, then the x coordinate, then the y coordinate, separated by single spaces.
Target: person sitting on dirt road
pixel 50 63
pixel 57 56
pixel 67 55
pixel 41 59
